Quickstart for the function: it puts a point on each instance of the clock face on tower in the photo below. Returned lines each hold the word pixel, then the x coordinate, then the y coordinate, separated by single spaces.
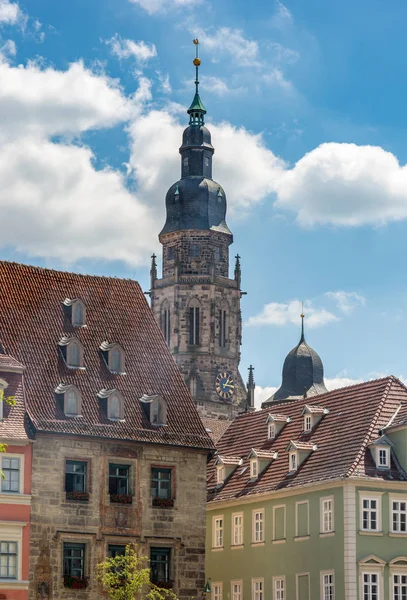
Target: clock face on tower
pixel 224 384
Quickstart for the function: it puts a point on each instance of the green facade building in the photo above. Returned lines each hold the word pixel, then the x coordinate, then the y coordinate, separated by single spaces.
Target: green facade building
pixel 307 499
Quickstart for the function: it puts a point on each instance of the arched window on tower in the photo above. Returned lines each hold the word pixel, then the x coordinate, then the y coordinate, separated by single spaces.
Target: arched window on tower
pixel 222 324
pixel 194 323
pixel 166 322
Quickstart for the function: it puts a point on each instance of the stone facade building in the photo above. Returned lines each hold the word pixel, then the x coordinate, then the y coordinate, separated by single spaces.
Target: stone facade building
pixel 195 301
pixel 119 451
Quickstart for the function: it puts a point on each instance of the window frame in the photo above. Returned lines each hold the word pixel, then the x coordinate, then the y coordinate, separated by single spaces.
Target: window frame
pixel 292 468
pixel 120 401
pixel 331 511
pixel 220 474
pixel 254 468
pixel 122 368
pixel 258 594
pixel 222 322
pixel 109 546
pixel 218 532
pixel 400 499
pixel 370 572
pixel 369 496
pixel 283 539
pixel 74 545
pixel 217 595
pixel 258 532
pixel 323 574
pixel 166 551
pixel 307 423
pixel 71 345
pixel 297 504
pixel 20 458
pixel 387 454
pixel 74 389
pixel 236 595
pixel 171 488
pixel 86 474
pixel 8 554
pixel 74 306
pixel 128 478
pixel 235 528
pixel 194 323
pixel 271 429
pixel 397 572
pixel 277 592
pixel 3 387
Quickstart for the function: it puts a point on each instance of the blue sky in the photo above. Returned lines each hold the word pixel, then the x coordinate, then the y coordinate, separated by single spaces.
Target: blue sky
pixel 306 104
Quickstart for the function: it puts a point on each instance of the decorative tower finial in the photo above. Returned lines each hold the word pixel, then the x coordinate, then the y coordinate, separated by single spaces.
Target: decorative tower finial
pixel 238 271
pixel 153 271
pixel 197 110
pixel 250 389
pixel 302 324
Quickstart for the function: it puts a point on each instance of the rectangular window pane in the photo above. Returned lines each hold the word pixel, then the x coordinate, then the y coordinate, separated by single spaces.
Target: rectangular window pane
pixel 8 560
pixel 11 480
pixel 160 565
pixel 279 589
pixel 74 560
pixel 279 523
pixel 161 483
pixel 75 476
pixel 119 479
pixel 113 551
pixel 302 519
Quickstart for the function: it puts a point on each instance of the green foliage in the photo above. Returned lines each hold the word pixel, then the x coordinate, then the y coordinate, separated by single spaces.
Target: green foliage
pixel 127 578
pixel 11 400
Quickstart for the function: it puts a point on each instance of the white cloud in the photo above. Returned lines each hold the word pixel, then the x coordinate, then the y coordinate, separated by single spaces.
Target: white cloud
pixel 215 85
pixel 283 54
pixel 155 6
pixel 277 78
pixel 345 185
pixel 346 301
pixel 165 82
pixel 261 394
pixel 280 314
pixel 124 48
pixel 339 382
pixel 10 13
pixel 245 52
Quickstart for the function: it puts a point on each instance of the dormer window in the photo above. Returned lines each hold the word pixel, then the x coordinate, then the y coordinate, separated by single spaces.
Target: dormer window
pixel 312 416
pixel 3 387
pixel 254 468
pixel 381 452
pixel 72 399
pixel 271 431
pixel 383 458
pixel 113 355
pixel 72 351
pixel 220 474
pixel 298 453
pixel 307 423
pixel 155 408
pixel 275 423
pixel 76 311
pixel 293 461
pixel 115 404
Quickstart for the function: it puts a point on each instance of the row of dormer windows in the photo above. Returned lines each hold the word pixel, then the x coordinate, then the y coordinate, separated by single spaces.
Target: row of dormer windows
pixel 73 354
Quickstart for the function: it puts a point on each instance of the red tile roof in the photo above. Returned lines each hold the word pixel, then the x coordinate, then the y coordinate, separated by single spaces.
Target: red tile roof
pixel 10 364
pixel 15 425
pixel 356 414
pixel 33 320
pixel 215 427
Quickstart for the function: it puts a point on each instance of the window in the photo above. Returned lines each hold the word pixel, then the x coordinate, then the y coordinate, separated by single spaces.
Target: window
pixel 217 541
pixel 75 476
pixel 171 252
pixel 254 468
pixel 217 591
pixel 399 587
pixel 307 423
pixel 160 565
pixel 3 387
pixel 113 551
pixel 237 529
pixel 72 402
pixel 258 526
pixel 327 586
pixel 398 516
pixel 194 325
pixel 220 474
pixel 383 455
pixel 116 360
pixel 78 314
pixel 237 590
pixel 161 483
pixel 194 250
pixel 11 475
pixel 74 560
pixel 119 476
pixel 222 328
pixel 114 407
pixel 8 560
pixel 271 431
pixel 166 324
pixel 371 586
pixel 158 411
pixel 302 519
pixel 257 589
pixel 74 353
pixel 327 515
pixel 370 517
pixel 279 588
pixel 293 461
pixel 279 530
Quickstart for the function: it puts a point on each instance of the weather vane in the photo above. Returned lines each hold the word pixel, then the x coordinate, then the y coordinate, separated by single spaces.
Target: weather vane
pixel 197 62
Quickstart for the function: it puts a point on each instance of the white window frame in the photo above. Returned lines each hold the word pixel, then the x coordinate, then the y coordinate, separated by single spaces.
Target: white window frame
pixel 121 406
pixel 271 431
pixel 258 594
pixel 254 468
pixel 386 450
pixel 218 531
pixel 397 498
pixel 220 474
pixel 297 504
pixel 217 590
pixel 297 576
pixel 327 511
pixel 78 402
pixel 324 585
pixel 293 466
pixel 371 496
pixel 258 532
pixel 370 572
pixel 13 532
pixel 274 523
pixel 236 595
pixel 307 423
pixel 21 474
pixel 396 572
pixel 237 540
pixel 3 387
pixel 279 588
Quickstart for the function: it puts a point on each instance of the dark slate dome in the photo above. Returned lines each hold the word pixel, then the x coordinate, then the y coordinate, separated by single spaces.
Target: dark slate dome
pixel 196 136
pixel 195 203
pixel 303 372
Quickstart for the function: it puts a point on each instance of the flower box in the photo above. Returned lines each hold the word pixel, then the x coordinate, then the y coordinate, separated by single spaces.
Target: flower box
pixel 75 583
pixel 165 585
pixel 78 496
pixel 121 498
pixel 163 502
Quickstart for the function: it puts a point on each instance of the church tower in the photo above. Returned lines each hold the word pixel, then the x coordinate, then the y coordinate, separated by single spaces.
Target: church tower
pixel 195 302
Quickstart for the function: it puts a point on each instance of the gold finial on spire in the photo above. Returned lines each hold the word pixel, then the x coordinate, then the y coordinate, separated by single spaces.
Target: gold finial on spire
pixel 302 323
pixel 302 310
pixel 197 60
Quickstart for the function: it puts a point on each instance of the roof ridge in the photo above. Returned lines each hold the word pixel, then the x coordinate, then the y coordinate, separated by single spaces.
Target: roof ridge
pixel 373 424
pixel 59 271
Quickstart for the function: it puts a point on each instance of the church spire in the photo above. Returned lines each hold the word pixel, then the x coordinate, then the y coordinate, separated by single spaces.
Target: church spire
pixel 197 110
pixel 302 324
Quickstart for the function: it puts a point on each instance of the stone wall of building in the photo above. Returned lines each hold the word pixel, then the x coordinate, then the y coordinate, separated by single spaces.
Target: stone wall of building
pixel 99 522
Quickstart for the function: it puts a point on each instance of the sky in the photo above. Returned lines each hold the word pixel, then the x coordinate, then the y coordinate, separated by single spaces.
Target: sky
pixel 306 106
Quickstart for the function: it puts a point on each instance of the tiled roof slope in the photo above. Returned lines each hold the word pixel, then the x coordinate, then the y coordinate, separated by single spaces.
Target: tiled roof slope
pixel 356 413
pixel 32 321
pixel 15 425
pixel 215 427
